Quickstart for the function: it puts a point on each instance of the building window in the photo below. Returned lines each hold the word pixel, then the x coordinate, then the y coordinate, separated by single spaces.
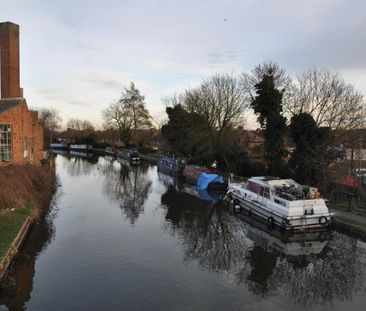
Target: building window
pixel 26 142
pixel 6 142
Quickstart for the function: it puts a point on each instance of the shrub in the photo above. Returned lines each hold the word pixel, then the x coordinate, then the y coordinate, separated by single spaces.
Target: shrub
pixel 24 185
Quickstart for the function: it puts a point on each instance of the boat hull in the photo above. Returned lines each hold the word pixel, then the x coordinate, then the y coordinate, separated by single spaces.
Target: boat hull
pixel 276 219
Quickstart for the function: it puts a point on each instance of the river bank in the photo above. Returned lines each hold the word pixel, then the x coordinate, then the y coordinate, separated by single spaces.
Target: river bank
pixel 25 192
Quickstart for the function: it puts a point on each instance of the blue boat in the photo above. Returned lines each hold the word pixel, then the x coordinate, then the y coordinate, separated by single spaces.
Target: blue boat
pixel 171 166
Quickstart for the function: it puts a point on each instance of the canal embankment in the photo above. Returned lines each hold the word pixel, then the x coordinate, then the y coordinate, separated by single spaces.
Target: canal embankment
pixel 25 192
pixel 352 223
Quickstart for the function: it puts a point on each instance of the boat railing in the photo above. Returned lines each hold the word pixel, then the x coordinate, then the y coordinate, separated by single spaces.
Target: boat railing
pixel 237 179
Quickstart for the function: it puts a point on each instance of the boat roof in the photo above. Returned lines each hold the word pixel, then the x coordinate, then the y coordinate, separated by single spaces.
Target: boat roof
pixel 273 181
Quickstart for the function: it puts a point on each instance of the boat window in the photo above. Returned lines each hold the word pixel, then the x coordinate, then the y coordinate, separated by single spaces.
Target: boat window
pixel 261 191
pixel 253 187
pixel 266 193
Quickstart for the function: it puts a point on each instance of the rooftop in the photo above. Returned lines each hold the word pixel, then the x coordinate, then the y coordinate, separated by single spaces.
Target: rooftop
pixel 9 103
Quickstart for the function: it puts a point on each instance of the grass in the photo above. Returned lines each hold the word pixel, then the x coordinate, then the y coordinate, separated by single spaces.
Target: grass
pixel 27 190
pixel 10 224
pixel 357 207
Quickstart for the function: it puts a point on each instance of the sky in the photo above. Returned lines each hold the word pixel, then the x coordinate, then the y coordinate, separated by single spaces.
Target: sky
pixel 78 55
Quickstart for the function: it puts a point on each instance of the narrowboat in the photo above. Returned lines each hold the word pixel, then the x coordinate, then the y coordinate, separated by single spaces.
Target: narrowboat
pixel 171 166
pixel 110 151
pixel 282 203
pixel 81 148
pixel 59 146
pixel 203 178
pixel 129 154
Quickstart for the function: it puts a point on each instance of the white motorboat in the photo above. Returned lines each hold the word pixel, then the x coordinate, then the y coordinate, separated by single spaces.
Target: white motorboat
pixel 280 202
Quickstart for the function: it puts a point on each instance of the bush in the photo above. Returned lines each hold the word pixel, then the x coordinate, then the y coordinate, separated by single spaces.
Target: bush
pixel 24 185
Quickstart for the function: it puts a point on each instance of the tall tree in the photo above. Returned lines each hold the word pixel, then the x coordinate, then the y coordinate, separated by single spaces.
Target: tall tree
pixel 210 112
pixel 128 114
pixel 268 106
pixel 330 100
pixel 280 78
pixel 312 152
pixel 134 101
pixel 50 120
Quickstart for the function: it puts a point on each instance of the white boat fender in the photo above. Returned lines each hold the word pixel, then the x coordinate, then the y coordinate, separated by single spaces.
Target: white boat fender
pixel 237 208
pixel 323 221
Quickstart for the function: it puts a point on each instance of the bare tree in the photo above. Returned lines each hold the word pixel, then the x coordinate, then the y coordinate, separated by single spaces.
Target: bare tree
pixel 330 100
pixel 281 80
pixel 134 101
pixel 219 101
pixel 79 125
pixel 50 120
pixel 117 116
pixel 128 114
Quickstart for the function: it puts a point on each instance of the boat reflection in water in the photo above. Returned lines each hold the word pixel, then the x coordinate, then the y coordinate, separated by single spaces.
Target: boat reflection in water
pixel 307 269
pixel 81 154
pixel 307 243
pixel 212 196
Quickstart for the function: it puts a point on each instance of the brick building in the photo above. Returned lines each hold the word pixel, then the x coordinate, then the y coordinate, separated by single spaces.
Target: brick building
pixel 21 136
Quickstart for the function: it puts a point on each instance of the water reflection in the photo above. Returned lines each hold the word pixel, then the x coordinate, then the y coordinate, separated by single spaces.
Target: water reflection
pixel 17 290
pixel 80 165
pixel 229 259
pixel 129 186
pixel 310 269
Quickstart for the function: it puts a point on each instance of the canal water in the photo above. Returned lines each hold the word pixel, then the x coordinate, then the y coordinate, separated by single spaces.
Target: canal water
pixel 122 238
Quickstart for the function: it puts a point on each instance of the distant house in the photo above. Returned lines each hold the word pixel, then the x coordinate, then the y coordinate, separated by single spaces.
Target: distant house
pixel 248 141
pixel 21 136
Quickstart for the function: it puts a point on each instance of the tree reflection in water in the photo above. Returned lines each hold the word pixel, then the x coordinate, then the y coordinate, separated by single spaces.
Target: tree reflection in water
pixel 80 165
pixel 209 234
pixel 129 186
pixel 321 272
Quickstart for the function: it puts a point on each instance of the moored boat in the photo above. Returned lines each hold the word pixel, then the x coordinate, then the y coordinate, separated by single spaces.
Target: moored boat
pixel 129 154
pixel 81 148
pixel 171 166
pixel 203 178
pixel 282 203
pixel 59 146
pixel 110 151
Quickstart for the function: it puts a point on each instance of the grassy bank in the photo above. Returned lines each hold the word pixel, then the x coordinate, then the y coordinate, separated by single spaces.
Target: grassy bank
pixel 10 224
pixel 25 191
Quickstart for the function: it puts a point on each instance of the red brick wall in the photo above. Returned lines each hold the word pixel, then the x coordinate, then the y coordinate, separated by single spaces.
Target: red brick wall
pixel 23 125
pixel 9 50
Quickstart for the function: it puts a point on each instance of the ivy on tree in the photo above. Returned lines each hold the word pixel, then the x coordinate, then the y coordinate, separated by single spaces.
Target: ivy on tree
pixel 267 104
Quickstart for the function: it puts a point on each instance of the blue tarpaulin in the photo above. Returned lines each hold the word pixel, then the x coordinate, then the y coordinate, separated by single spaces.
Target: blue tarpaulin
pixel 205 179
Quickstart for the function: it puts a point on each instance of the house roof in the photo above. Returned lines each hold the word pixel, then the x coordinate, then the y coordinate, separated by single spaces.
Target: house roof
pixel 9 103
pixel 349 181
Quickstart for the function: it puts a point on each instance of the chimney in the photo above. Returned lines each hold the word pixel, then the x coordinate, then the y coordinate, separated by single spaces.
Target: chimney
pixel 9 61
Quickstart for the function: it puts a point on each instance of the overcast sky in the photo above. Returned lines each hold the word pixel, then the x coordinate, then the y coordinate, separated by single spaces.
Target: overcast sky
pixel 77 56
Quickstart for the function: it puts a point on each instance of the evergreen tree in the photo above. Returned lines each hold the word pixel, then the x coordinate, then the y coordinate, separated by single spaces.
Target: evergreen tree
pixel 268 106
pixel 310 158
